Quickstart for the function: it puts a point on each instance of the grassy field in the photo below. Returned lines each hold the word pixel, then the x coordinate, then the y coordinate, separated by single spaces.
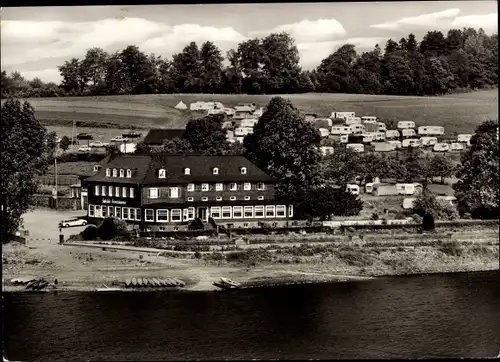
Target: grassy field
pixel 457 113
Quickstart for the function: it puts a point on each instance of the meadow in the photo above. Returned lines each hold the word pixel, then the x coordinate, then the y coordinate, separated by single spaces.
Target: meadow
pixel 459 113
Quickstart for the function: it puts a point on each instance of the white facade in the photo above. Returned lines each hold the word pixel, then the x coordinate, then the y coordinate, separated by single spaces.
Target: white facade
pixel 242 131
pixel 352 120
pixel 411 142
pixel 343 114
pixel 431 130
pixel 441 147
pixel 428 141
pixel 395 144
pixel 326 150
pixel 455 146
pixel 358 147
pixel 406 124
pixel 127 147
pixel 357 128
pixel 341 130
pixel 392 133
pixel 239 139
pixel 369 118
pixel 381 127
pixel 408 132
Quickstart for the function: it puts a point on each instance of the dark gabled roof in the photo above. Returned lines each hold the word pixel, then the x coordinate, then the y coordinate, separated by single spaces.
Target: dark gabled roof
pixel 201 169
pixel 138 164
pixel 158 135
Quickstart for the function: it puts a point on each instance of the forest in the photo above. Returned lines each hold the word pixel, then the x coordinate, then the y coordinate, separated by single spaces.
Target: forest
pixel 459 61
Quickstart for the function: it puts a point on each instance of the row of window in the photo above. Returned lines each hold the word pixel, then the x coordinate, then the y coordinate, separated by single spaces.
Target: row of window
pixel 219 198
pixel 125 213
pixel 118 191
pixel 162 173
pixel 174 192
pixel 174 215
pixel 115 172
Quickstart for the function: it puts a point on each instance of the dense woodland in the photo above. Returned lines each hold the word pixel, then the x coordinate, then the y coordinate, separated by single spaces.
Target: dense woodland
pixel 439 64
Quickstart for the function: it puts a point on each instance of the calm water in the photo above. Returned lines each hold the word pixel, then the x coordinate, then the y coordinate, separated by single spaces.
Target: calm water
pixel 453 315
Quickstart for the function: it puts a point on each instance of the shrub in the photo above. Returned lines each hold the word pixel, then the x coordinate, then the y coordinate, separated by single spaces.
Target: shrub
pixel 452 248
pixel 91 232
pixel 121 227
pixel 196 224
pixel 427 203
pixel 428 222
pixel 374 216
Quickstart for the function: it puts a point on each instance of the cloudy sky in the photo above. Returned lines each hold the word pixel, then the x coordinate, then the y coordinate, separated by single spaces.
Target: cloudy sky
pixel 35 41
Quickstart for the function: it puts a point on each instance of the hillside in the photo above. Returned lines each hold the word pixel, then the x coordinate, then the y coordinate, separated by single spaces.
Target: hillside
pixel 457 113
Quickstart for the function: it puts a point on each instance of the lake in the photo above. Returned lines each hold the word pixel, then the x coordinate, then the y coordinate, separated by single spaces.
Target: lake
pixel 439 315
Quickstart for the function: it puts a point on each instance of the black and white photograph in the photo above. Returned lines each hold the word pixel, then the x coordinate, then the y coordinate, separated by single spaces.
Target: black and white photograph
pixel 266 181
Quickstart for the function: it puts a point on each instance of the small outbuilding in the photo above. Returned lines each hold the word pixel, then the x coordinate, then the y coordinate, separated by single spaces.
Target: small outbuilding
pixel 181 105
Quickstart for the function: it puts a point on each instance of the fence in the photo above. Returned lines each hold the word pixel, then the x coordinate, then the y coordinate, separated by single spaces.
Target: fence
pixel 62 180
pixel 63 203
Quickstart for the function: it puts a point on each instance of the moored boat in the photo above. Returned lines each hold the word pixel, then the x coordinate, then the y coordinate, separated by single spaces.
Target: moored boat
pixel 140 282
pixel 156 282
pixel 128 283
pixel 105 288
pixel 134 282
pixel 179 282
pixel 230 282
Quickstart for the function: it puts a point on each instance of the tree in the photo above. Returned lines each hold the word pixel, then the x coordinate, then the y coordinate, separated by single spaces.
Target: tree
pixel 73 80
pixel 211 68
pixel 142 149
pixel 186 70
pixel 112 150
pixel 390 47
pixel 341 167
pixel 477 187
pixel 433 44
pixel 65 143
pixel 94 68
pixel 441 166
pixel 251 63
pixel 286 147
pixel 334 72
pixel 23 158
pixel 176 146
pixel 439 78
pixel 206 135
pixel 427 204
pixel 136 70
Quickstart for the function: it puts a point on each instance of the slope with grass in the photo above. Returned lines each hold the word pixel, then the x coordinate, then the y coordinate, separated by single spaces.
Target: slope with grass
pixel 459 113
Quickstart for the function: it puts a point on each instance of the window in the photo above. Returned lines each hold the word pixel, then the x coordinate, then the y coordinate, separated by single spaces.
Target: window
pixel 125 213
pixel 117 191
pixel 243 170
pixel 190 198
pixel 280 211
pixel 261 197
pixel 162 215
pixel 175 215
pixel 110 191
pixel 149 215
pixel 247 197
pixel 204 199
pixel 190 187
pixel 247 186
pixel 153 193
pixel 215 171
pixel 91 210
pixel 185 214
pixel 226 212
pixel 204 187
pixel 215 212
pixel 173 193
pixel 124 192
pixel 97 168
pixel 162 228
pixel 132 192
pixel 219 198
pixel 108 172
pixel 138 214
pixel 249 211
pixel 187 171
pixel 98 211
pixel 219 187
pixel 115 173
pixel 96 189
pixel 110 211
pixel 290 210
pixel 118 212
pixel 260 186
pixel 233 186
pixel 103 190
pixel 232 198
pixel 259 211
pixel 122 173
pixel 237 212
pixel 245 225
pixel 270 211
pixel 129 173
pixel 162 173
pixel 104 211
pixel 190 213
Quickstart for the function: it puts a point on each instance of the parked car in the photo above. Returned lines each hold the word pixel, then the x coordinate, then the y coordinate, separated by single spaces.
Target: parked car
pixel 98 144
pixel 84 136
pixel 353 189
pixel 72 223
pixel 118 139
pixel 84 149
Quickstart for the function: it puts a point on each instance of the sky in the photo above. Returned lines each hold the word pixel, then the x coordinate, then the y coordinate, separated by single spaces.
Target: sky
pixel 36 40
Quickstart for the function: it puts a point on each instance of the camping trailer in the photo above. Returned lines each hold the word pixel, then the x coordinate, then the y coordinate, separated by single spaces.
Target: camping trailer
pixel 353 189
pixel 428 141
pixel 406 124
pixel 341 130
pixel 409 188
pixel 408 132
pixel 381 127
pixel 358 147
pixel 384 190
pixel 455 146
pixel 441 147
pixel 408 202
pixel 322 123
pixel 371 126
pixel 343 114
pixel 369 119
pixel 431 130
pixel 229 111
pixel 326 150
pixel 379 136
pixel 383 146
pixel 464 138
pixel 411 142
pixel 357 128
pixel 324 132
pixel 344 138
pixel 368 137
pixel 392 133
pixel 352 120
pixel 395 144
pixel 242 131
pixel 248 122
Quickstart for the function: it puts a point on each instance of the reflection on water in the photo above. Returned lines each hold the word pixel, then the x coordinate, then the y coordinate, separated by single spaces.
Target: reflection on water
pixel 449 315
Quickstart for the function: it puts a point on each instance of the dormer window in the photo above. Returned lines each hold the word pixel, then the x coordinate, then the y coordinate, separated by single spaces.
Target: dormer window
pixel 122 172
pixel 108 172
pixel 162 173
pixel 129 173
pixel 97 168
pixel 215 171
pixel 187 171
pixel 243 170
pixel 115 172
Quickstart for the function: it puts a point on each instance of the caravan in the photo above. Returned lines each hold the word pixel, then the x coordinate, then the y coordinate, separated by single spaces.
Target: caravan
pixel 368 137
pixel 353 189
pixel 428 141
pixel 431 130
pixel 455 146
pixel 409 132
pixel 392 133
pixel 358 147
pixel 369 119
pixel 357 128
pixel 379 136
pixel 352 120
pixel 344 138
pixel 411 142
pixel 344 115
pixel 406 124
pixel 341 130
pixel 464 138
pixel 409 188
pixel 381 127
pixel 441 147
pixel 395 144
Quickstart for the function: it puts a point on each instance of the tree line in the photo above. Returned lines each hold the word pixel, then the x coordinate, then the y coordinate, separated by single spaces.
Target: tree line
pixel 461 59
